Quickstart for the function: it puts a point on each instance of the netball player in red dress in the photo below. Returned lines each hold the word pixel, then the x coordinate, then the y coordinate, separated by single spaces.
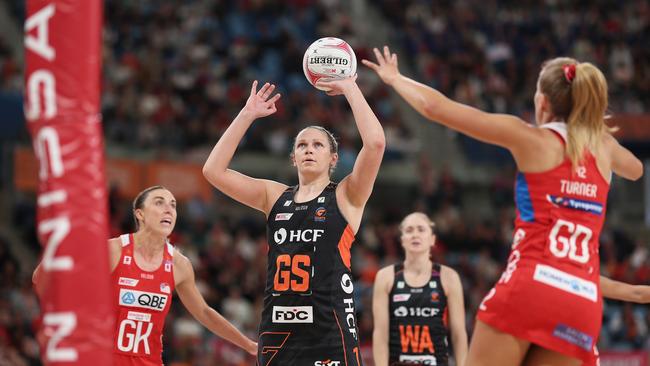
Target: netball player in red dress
pixel 309 315
pixel 146 269
pixel 547 306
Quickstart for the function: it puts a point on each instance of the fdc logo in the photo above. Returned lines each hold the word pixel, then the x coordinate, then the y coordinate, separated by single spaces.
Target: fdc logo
pixel 128 298
pixel 293 314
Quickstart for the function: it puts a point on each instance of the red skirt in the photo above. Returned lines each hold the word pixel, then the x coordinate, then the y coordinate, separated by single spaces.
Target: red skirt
pixel 546 306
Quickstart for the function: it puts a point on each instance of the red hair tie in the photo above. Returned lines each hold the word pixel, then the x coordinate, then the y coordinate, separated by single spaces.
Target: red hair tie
pixel 569 72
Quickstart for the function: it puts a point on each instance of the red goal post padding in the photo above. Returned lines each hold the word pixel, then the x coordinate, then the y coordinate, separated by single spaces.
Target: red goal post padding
pixel 62 90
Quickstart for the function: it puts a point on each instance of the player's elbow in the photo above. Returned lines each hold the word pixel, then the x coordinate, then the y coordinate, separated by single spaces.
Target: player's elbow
pixel 36 281
pixel 36 275
pixel 631 169
pixel 637 170
pixel 206 171
pixel 428 109
pixel 378 143
pixel 210 176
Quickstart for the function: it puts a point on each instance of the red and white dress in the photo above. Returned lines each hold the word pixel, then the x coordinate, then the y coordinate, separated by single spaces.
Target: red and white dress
pixel 549 294
pixel 142 300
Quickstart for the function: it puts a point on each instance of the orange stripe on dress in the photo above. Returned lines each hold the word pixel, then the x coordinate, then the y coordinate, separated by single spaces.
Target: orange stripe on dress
pixel 445 317
pixel 345 244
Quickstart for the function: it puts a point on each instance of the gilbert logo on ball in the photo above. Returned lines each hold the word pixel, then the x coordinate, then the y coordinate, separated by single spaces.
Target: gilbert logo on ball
pixel 329 58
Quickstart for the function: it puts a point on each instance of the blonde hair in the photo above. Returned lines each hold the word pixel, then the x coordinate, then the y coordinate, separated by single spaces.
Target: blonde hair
pixel 580 99
pixel 426 218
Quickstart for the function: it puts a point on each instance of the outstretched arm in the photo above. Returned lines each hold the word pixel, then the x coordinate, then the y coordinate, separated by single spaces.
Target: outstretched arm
pixel 500 129
pixel 255 193
pixel 617 290
pixel 204 314
pixel 624 163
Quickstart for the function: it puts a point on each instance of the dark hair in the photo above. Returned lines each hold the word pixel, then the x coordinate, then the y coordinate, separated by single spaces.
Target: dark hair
pixel 334 145
pixel 138 202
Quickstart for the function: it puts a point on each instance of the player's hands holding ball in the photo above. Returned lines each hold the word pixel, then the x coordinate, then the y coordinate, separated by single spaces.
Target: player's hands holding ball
pixel 386 66
pixel 330 65
pixel 336 86
pixel 260 103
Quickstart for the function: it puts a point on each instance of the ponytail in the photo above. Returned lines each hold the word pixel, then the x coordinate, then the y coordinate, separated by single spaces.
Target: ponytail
pixel 577 93
pixel 586 124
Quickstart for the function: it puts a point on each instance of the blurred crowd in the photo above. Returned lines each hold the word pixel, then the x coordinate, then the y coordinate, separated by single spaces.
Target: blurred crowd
pixel 488 53
pixel 176 73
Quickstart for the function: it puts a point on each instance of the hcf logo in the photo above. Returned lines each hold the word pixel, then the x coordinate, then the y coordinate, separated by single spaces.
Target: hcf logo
pixel 297 236
pixel 128 298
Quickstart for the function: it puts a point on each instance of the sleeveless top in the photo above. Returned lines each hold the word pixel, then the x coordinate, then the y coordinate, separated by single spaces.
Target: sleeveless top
pixel 309 313
pixel 418 321
pixel 560 213
pixel 142 300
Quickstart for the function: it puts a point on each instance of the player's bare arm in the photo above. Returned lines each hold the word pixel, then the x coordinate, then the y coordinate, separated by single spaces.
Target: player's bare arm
pixel 355 189
pixel 454 291
pixel 624 163
pixel 500 129
pixel 622 291
pixel 380 312
pixel 256 193
pixel 204 314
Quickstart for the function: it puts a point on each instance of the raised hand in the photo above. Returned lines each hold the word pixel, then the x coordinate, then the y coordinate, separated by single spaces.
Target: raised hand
pixel 259 104
pixel 337 86
pixel 386 66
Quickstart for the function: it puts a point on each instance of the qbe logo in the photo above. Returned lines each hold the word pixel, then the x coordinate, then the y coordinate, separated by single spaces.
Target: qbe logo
pixel 144 300
pixel 293 314
pixel 128 298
